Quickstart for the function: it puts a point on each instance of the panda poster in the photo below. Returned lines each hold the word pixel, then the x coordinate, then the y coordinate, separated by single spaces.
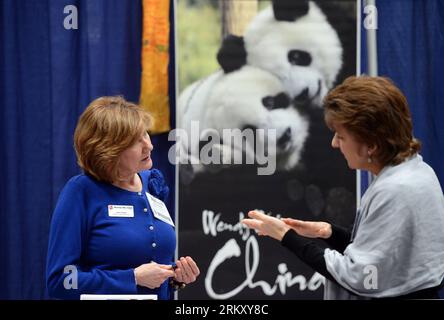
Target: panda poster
pixel 251 135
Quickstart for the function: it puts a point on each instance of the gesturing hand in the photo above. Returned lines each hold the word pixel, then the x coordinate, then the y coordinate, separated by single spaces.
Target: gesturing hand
pixel 309 229
pixel 266 225
pixel 152 275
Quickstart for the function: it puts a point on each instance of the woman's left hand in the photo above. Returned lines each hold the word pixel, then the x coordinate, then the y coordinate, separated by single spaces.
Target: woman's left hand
pixel 186 271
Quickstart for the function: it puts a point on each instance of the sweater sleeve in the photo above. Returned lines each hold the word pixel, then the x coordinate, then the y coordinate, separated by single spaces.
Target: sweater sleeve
pixel 308 251
pixel 339 239
pixel 66 277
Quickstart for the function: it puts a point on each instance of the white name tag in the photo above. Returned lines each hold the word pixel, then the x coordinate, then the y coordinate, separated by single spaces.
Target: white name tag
pixel 159 209
pixel 120 211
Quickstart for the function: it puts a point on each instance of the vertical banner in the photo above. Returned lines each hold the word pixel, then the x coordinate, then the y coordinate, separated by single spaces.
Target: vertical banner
pixel 251 135
pixel 155 48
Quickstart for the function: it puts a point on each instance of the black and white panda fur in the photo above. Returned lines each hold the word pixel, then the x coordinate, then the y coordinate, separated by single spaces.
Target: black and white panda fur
pixel 289 49
pixel 248 98
pixel 294 41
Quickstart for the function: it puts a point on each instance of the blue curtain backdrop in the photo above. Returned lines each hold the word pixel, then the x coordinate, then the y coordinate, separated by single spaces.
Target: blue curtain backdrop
pixel 410 40
pixel 48 76
pixel 411 52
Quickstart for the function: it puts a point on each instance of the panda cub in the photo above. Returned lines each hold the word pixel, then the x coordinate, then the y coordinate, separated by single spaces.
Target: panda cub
pixel 285 64
pixel 246 99
pixel 294 41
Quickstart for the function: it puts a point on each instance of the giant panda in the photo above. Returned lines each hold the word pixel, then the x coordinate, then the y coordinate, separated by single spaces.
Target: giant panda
pixel 248 98
pixel 288 48
pixel 252 91
pixel 294 41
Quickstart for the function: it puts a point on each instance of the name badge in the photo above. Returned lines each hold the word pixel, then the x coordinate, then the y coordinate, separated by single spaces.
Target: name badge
pixel 159 209
pixel 120 211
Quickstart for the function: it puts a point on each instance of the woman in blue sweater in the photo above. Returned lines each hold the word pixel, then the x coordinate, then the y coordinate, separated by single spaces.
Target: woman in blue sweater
pixel 111 232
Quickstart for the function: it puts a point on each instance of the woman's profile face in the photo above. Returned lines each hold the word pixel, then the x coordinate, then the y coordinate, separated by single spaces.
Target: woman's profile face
pixel 137 157
pixel 355 152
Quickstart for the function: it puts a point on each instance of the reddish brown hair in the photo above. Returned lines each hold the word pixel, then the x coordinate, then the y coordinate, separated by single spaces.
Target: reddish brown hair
pixel 107 127
pixel 376 112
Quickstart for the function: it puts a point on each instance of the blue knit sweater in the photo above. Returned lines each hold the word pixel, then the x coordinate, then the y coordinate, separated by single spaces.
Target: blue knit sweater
pixel 102 249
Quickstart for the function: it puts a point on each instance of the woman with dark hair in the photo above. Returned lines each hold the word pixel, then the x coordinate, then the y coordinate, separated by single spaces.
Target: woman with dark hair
pixel 111 232
pixel 396 247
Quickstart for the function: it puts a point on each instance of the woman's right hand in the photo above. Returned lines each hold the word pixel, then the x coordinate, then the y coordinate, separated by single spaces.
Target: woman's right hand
pixel 309 229
pixel 152 274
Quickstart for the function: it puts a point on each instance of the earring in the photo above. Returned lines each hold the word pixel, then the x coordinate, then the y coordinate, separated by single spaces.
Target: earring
pixel 369 159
